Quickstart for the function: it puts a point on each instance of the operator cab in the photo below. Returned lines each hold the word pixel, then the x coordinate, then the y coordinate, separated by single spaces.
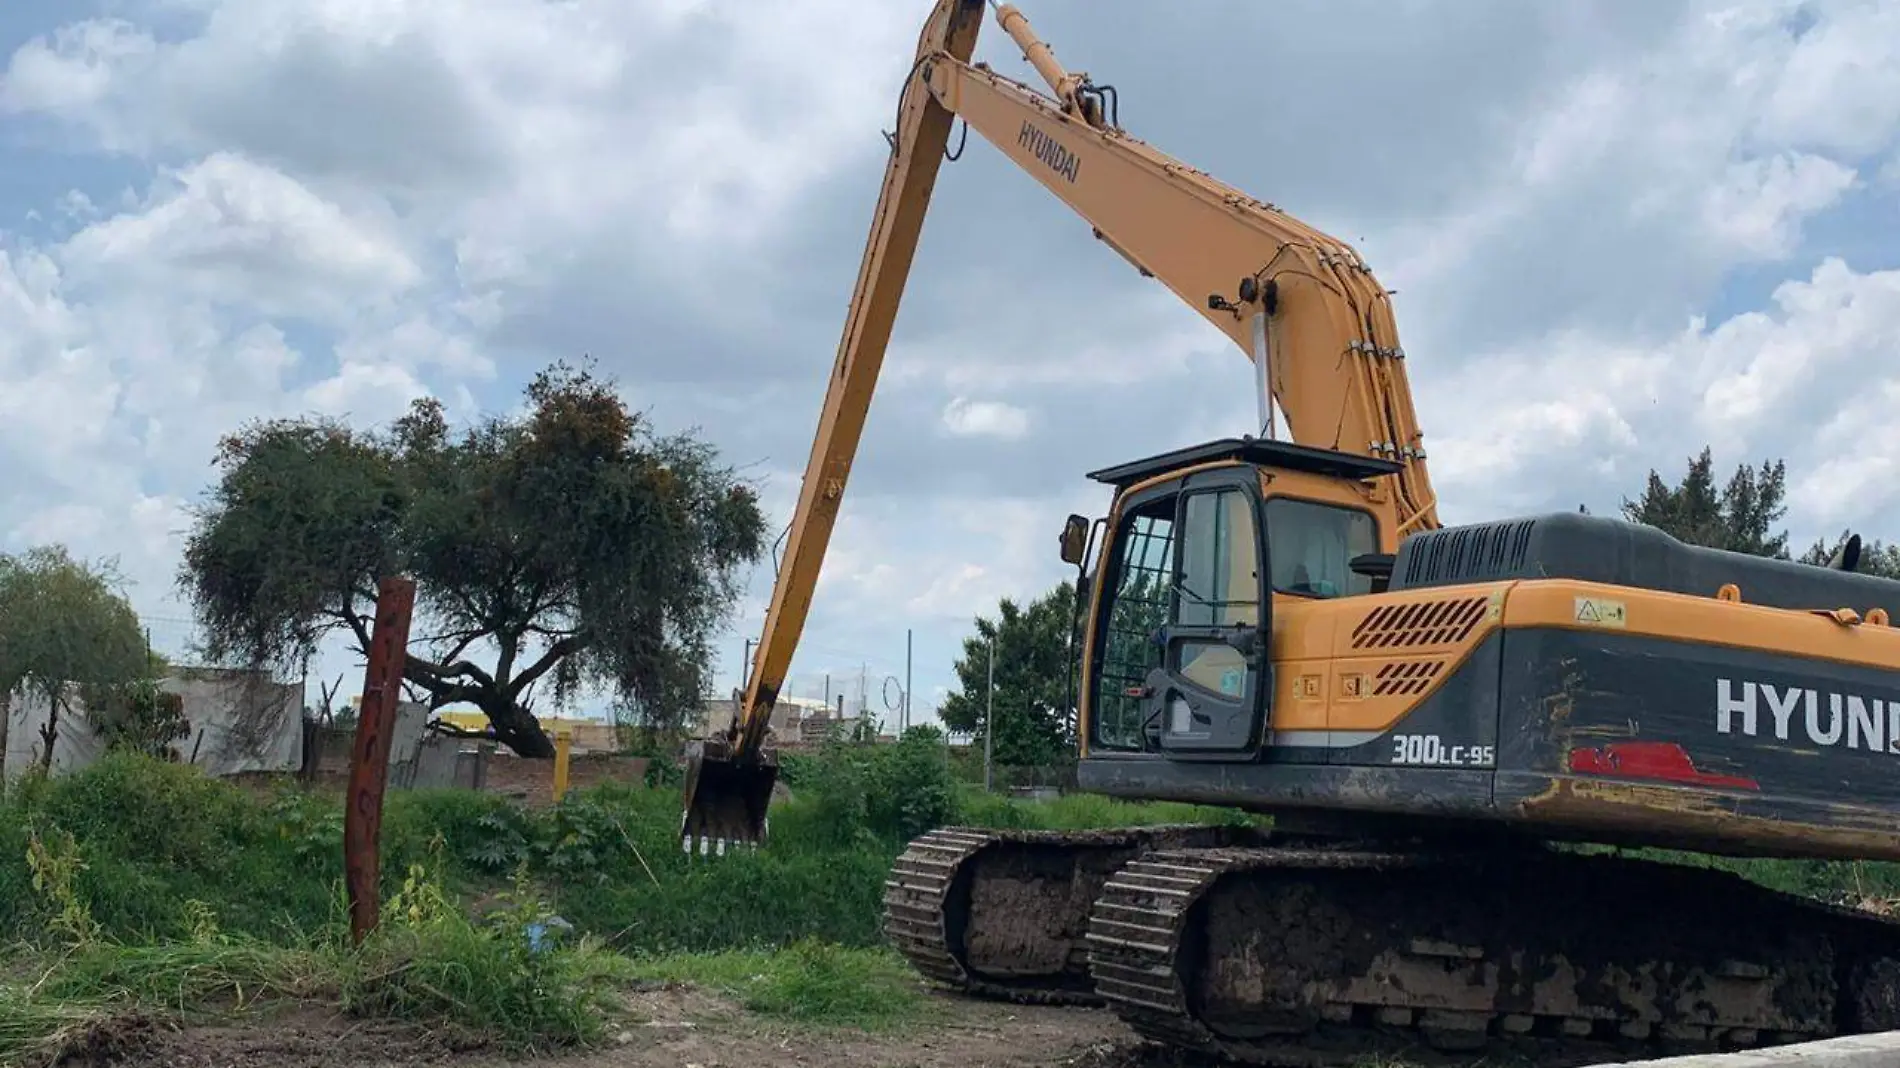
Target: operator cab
pixel 1206 542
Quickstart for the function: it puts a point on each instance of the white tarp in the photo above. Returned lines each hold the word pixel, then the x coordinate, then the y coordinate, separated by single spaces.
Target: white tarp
pixel 74 743
pixel 406 737
pixel 240 721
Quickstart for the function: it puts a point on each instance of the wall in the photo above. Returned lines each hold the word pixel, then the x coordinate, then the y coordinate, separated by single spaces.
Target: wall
pixel 501 772
pixel 533 780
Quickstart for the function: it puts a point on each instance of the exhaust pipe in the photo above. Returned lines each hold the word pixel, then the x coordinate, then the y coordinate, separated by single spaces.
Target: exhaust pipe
pixel 1847 557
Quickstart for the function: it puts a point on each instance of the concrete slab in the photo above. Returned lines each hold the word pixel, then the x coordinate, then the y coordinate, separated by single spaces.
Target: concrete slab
pixel 1853 1051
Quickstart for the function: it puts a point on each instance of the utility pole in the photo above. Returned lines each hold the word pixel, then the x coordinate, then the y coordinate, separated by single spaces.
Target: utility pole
pixel 989 718
pixel 905 714
pixel 745 665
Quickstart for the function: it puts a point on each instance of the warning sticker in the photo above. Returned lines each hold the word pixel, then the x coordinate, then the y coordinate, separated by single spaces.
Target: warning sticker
pixel 1597 612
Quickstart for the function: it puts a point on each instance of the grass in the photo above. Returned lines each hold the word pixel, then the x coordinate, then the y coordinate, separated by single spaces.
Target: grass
pixel 808 983
pixel 33 1026
pixel 138 886
pixel 1087 811
pixel 429 959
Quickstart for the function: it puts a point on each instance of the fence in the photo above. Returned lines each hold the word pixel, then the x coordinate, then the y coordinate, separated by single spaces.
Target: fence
pixel 966 763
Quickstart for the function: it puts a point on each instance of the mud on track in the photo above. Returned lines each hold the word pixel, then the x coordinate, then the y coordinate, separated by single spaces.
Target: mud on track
pixel 670 1027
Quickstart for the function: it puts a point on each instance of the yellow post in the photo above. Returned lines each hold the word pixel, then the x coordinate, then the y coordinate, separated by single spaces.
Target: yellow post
pixel 563 741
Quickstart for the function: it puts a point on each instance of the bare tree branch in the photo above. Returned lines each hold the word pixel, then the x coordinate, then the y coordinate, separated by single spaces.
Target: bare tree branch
pixel 453 731
pixel 461 646
pixel 357 624
pixel 456 695
pixel 434 675
pixel 565 647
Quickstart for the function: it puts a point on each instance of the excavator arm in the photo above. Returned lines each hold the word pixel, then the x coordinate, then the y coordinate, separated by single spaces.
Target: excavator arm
pixel 1300 304
pixel 729 779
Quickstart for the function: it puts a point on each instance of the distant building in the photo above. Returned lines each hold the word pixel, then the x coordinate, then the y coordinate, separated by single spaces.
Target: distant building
pixel 795 720
pixel 590 735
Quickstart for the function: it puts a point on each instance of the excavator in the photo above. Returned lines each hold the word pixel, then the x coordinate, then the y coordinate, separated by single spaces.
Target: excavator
pixel 1471 741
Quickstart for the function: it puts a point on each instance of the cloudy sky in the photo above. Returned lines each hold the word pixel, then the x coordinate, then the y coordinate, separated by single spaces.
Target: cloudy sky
pixel 1617 231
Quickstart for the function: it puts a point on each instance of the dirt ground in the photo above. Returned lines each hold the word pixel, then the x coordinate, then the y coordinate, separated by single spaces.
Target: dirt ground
pixel 674 1027
pixel 669 1027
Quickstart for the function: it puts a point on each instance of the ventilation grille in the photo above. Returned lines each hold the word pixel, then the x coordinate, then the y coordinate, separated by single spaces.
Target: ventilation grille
pixel 1424 623
pixel 1462 554
pixel 1406 678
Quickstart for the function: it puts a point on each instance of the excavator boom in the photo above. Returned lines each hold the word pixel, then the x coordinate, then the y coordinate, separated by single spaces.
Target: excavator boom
pixel 1300 304
pixel 1329 351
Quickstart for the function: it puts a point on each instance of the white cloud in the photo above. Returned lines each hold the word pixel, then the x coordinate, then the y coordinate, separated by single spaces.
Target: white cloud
pixel 75 69
pixel 1758 208
pixel 1805 379
pixel 227 230
pixel 996 419
pixel 1840 89
pixel 1648 178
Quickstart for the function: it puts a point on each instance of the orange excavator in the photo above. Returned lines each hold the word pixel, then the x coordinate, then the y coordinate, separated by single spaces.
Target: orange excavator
pixel 1454 729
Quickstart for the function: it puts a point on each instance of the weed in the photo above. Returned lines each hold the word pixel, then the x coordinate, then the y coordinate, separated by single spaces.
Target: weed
pixel 501 975
pixel 55 871
pixel 511 975
pixel 809 983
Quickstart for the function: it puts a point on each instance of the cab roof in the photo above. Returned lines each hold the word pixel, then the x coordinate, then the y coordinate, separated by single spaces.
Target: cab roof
pixel 1264 452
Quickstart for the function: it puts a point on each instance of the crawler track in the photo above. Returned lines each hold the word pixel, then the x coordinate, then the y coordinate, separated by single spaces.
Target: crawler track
pixel 1264 954
pixel 1004 914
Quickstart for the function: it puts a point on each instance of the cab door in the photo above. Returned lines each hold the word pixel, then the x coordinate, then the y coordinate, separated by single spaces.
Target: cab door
pixel 1212 687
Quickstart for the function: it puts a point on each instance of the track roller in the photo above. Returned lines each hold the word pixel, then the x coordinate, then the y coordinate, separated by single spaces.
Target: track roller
pixel 1003 914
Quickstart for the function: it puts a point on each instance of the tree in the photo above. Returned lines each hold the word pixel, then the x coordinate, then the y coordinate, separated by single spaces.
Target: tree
pixel 138 716
pixel 568 544
pixel 65 630
pixel 1876 557
pixel 1739 518
pixel 1034 716
pixel 1742 516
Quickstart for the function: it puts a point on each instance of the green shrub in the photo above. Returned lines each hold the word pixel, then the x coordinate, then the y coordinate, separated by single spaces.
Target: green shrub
pixel 153 834
pixel 867 792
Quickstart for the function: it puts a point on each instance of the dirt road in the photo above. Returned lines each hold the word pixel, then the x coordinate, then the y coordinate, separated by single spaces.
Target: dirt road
pixel 668 1028
pixel 673 1027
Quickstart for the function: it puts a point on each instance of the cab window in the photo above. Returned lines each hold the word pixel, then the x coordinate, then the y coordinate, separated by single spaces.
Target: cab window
pixel 1220 561
pixel 1135 609
pixel 1218 585
pixel 1312 546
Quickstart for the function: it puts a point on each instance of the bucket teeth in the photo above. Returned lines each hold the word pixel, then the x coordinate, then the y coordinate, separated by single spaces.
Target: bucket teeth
pixel 716 845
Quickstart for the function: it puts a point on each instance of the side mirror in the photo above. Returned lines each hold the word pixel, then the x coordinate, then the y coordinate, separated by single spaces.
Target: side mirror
pixel 1075 539
pixel 1375 566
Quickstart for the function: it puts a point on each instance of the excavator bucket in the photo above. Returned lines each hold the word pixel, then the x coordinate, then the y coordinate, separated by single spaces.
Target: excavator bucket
pixel 726 799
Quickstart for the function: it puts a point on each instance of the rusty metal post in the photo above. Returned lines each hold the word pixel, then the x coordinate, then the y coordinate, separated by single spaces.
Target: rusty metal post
pixel 369 761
